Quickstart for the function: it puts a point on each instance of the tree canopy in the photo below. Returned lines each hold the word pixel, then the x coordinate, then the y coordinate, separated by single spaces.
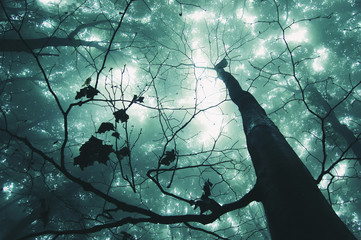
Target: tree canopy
pixel 114 124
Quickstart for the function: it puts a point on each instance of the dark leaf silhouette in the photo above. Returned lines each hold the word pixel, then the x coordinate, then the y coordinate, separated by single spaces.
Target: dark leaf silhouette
pixel 140 99
pixel 206 203
pixel 87 81
pixel 88 92
pixel 207 188
pixel 91 151
pixel 169 157
pixel 116 135
pixel 137 99
pixel 105 126
pixel 121 115
pixel 125 151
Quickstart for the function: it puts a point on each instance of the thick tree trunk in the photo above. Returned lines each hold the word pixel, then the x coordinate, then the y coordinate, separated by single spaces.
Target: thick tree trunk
pixel 295 208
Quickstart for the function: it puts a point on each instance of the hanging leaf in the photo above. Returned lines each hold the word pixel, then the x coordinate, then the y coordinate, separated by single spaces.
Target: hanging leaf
pixel 121 115
pixel 91 92
pixel 105 126
pixel 88 92
pixel 169 157
pixel 137 99
pixel 206 203
pixel 125 151
pixel 207 188
pixel 116 135
pixel 91 151
pixel 140 99
pixel 87 81
pixel 81 93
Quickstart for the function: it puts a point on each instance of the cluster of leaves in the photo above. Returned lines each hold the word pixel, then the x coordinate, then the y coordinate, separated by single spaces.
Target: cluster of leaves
pixel 94 150
pixel 107 126
pixel 168 158
pixel 91 151
pixel 87 91
pixel 205 203
pixel 121 115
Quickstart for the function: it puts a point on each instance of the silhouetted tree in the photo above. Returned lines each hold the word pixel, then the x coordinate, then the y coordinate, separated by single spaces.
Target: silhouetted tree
pixel 295 208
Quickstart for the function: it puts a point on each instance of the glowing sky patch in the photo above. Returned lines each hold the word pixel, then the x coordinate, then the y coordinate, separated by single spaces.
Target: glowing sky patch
pixel 48 24
pixel 297 34
pixel 318 63
pixel 260 51
pixel 49 2
pixel 209 94
pixel 341 169
pixel 200 15
pixel 249 18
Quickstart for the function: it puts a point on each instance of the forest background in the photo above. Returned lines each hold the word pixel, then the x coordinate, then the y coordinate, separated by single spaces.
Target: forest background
pixel 113 119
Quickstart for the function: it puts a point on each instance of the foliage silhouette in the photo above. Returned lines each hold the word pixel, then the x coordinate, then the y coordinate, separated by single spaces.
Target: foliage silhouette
pixel 87 91
pixel 93 151
pixel 105 126
pixel 121 115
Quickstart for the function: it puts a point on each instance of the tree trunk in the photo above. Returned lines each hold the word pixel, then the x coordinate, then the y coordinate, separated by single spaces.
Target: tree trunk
pixel 317 100
pixel 17 45
pixel 295 208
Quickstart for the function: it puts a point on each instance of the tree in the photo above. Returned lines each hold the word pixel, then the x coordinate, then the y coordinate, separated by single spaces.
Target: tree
pixel 114 123
pixel 295 208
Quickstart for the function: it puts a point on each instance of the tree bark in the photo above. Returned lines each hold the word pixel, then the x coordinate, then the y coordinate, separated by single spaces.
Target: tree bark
pixel 294 206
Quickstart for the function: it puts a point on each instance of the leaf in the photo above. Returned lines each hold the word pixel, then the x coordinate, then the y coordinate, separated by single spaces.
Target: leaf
pixel 81 93
pixel 88 92
pixel 87 81
pixel 105 126
pixel 122 153
pixel 205 204
pixel 91 151
pixel 207 188
pixel 116 135
pixel 91 92
pixel 137 99
pixel 169 157
pixel 140 99
pixel 121 115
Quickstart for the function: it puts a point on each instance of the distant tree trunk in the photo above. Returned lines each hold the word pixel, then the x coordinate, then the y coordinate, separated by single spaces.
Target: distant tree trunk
pixel 317 99
pixel 295 208
pixel 18 45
